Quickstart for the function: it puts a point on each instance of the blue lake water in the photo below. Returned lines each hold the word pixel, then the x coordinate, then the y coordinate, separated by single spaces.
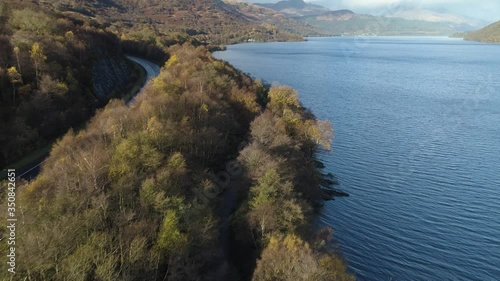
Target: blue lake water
pixel 417 145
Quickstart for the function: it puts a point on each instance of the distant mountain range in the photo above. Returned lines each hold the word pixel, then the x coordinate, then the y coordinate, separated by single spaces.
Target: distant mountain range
pixel 346 22
pixel 402 20
pixel 438 15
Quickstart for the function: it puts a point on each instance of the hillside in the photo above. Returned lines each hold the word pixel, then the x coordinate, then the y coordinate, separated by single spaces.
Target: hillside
pixel 212 22
pixel 55 71
pixel 345 22
pixel 272 18
pixel 295 8
pixel 489 34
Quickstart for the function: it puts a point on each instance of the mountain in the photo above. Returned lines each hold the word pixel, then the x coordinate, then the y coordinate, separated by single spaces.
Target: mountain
pixel 346 22
pixel 489 34
pixel 438 15
pixel 296 8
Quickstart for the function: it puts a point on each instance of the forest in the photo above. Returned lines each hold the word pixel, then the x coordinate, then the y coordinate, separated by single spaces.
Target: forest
pixel 120 200
pixel 137 193
pixel 48 76
pixel 53 56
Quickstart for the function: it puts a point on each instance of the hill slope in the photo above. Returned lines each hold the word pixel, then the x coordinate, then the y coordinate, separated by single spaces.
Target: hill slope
pixel 55 71
pixel 490 34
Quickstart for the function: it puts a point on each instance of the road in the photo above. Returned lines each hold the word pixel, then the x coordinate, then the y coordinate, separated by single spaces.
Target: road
pixel 152 70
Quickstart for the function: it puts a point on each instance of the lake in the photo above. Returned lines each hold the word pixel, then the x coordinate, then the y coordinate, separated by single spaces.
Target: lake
pixel 417 146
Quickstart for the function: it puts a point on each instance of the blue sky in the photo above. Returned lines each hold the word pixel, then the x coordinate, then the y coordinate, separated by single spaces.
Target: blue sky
pixel 488 10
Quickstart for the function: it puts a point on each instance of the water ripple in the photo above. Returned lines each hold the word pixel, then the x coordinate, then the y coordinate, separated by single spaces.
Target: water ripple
pixel 416 146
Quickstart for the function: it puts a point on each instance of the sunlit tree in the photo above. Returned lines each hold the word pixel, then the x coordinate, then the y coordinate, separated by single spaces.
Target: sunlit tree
pixel 15 78
pixel 38 57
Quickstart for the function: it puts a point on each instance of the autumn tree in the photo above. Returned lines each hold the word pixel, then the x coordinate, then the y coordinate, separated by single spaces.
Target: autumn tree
pixel 274 206
pixel 51 86
pixel 15 78
pixel 285 259
pixel 31 21
pixel 289 258
pixel 282 98
pixel 270 131
pixel 16 52
pixel 170 237
pixel 38 57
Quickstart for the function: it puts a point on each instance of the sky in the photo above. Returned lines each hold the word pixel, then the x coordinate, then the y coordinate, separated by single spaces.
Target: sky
pixel 488 10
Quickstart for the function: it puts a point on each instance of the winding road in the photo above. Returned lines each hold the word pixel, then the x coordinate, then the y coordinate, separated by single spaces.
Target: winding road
pixel 152 71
